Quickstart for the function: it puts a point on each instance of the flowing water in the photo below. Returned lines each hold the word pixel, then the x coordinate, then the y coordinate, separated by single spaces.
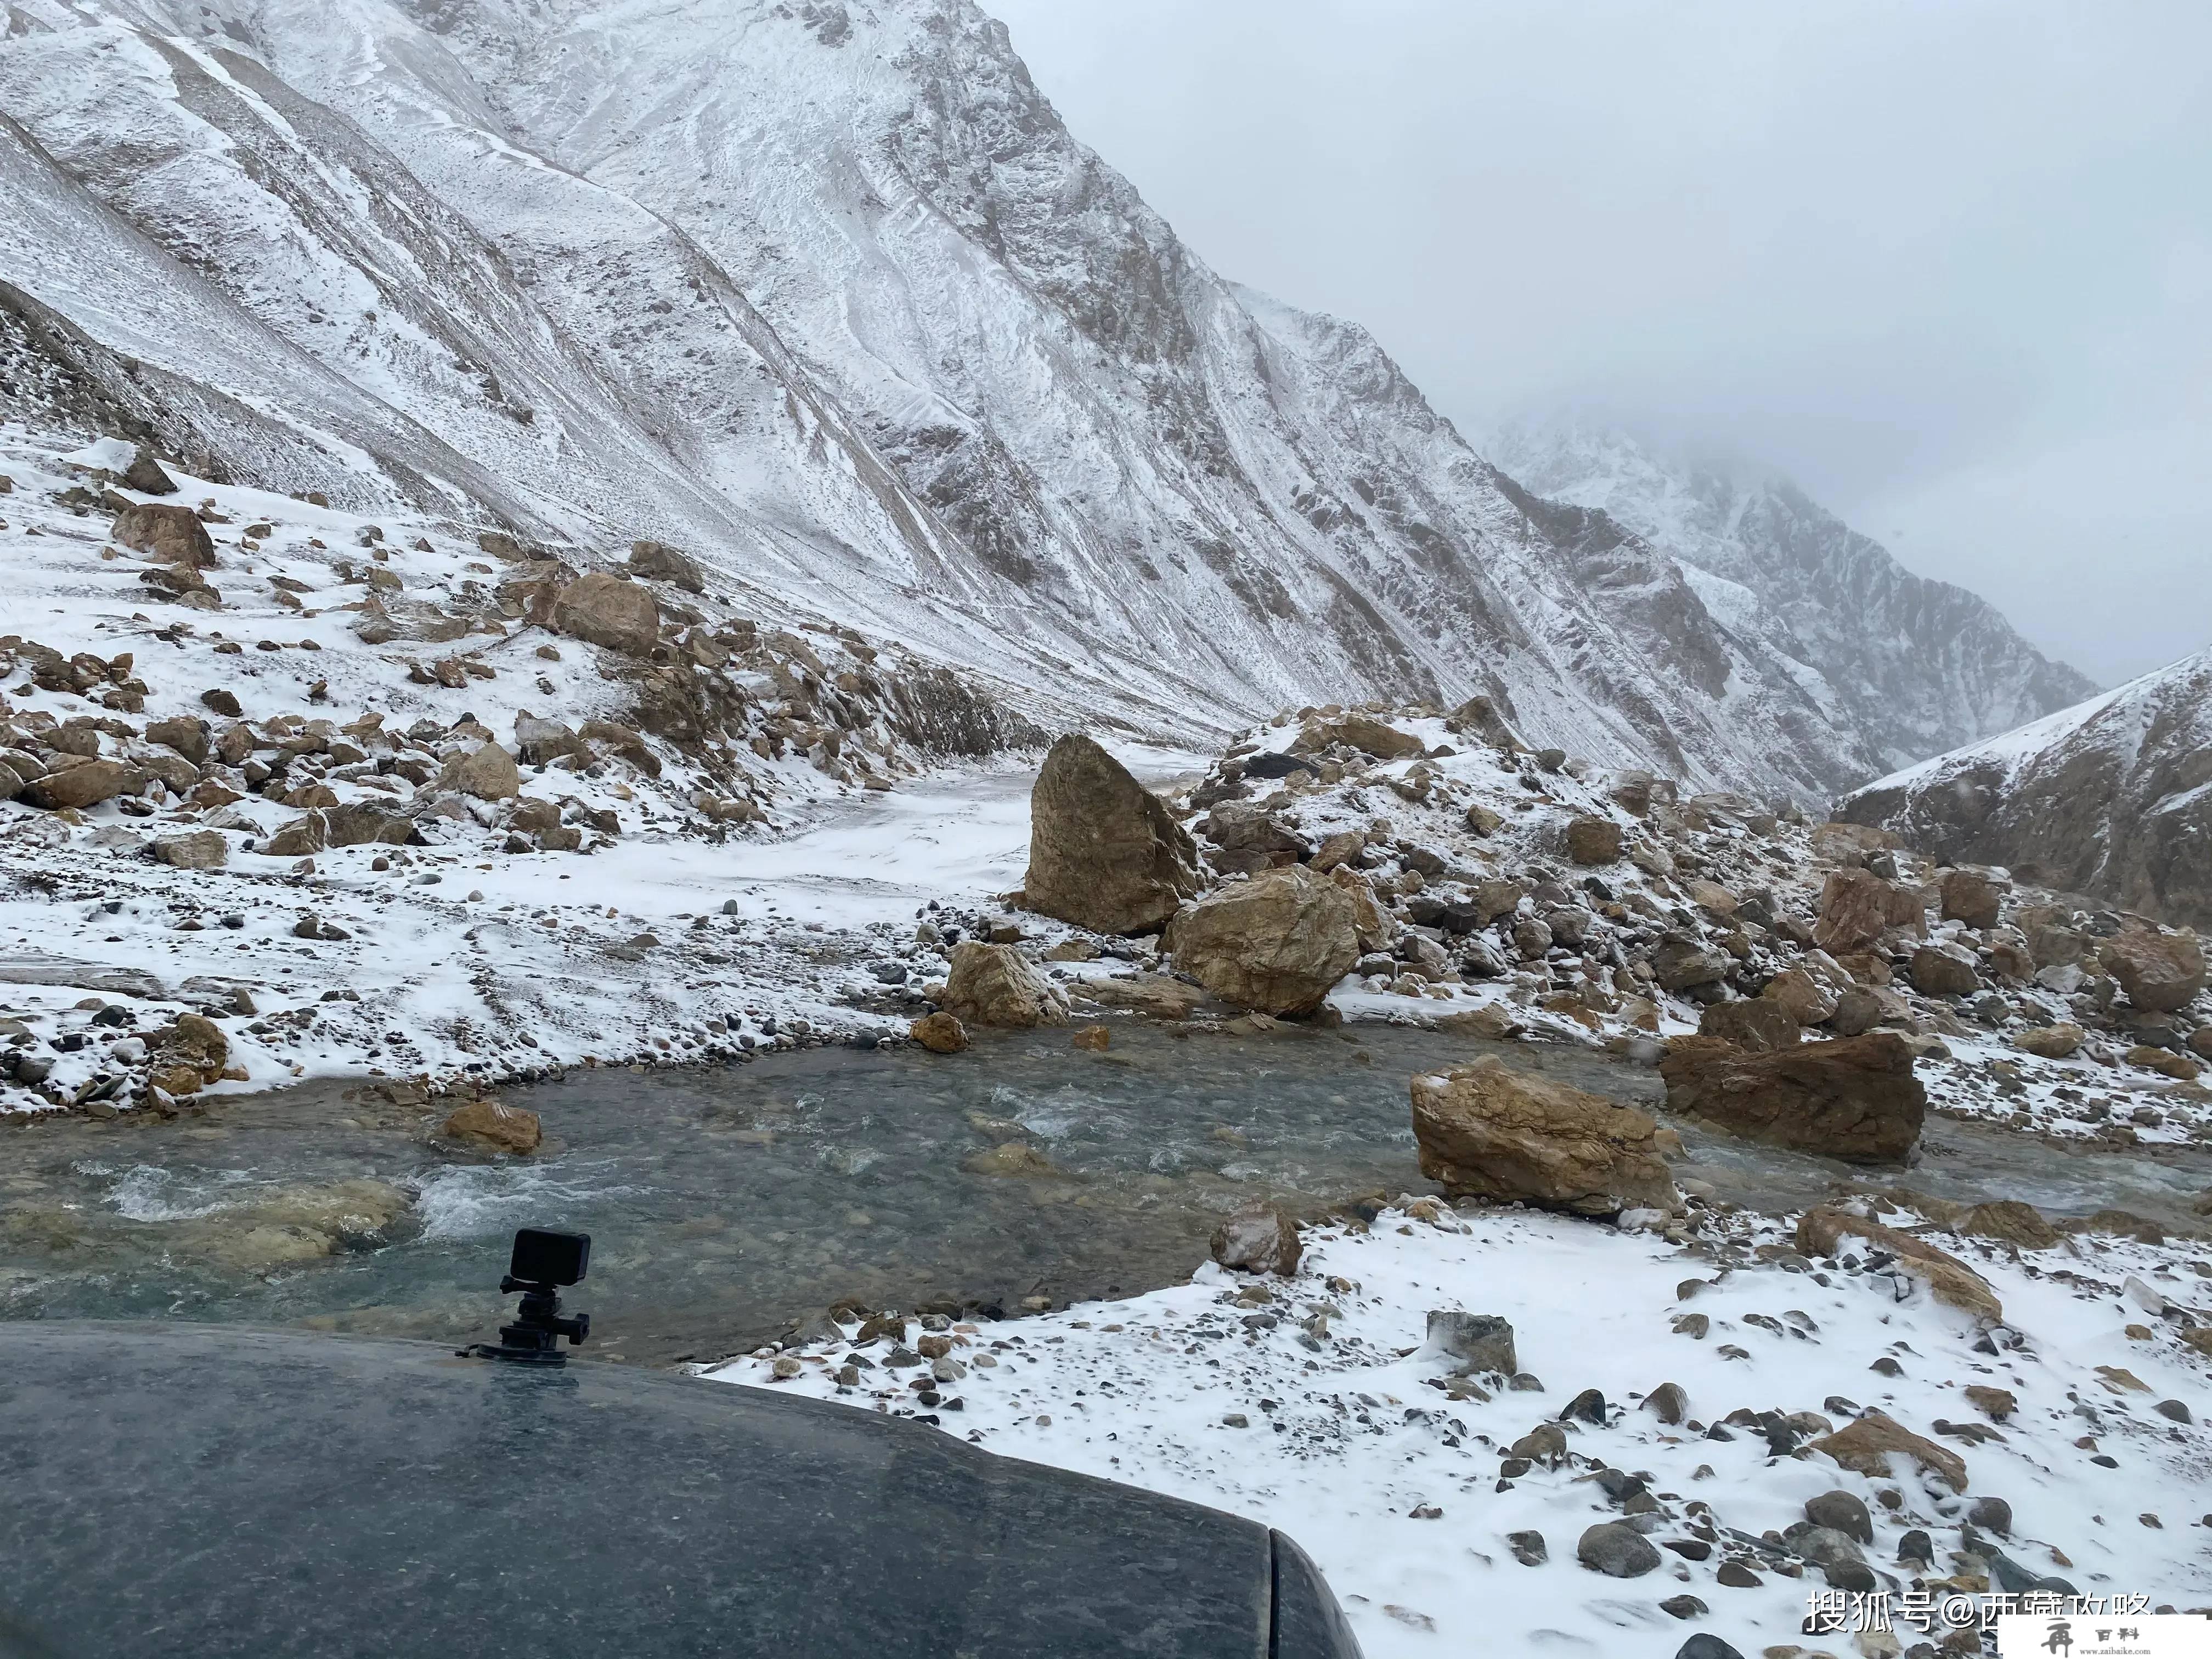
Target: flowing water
pixel 726 1204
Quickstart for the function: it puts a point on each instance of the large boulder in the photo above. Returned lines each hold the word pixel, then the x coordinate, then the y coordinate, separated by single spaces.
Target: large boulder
pixel 168 535
pixel 1682 960
pixel 609 611
pixel 1487 1130
pixel 1759 1024
pixel 1939 971
pixel 1105 852
pixel 2160 972
pixel 196 849
pixel 1276 943
pixel 994 985
pixel 1859 907
pixel 1854 1099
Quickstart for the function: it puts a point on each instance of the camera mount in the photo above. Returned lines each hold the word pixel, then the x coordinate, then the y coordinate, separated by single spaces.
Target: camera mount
pixel 543 1262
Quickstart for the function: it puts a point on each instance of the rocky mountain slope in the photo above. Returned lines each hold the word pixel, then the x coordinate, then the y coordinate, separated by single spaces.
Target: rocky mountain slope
pixel 2111 797
pixel 827 296
pixel 1900 666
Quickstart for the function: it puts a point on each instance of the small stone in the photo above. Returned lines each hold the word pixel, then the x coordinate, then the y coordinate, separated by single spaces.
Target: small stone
pixel 1616 1550
pixel 787 1367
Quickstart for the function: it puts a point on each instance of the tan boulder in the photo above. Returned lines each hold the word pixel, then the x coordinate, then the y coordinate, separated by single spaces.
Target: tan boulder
pixel 1859 907
pixel 2160 972
pixel 1492 1132
pixel 1258 1241
pixel 1823 1229
pixel 1808 1001
pixel 2049 1042
pixel 1276 943
pixel 189 738
pixel 1866 1446
pixel 169 535
pixel 1105 852
pixel 2163 1061
pixel 1758 1024
pixel 199 849
pixel 80 787
pixel 994 985
pixel 489 1123
pixel 487 772
pixel 1594 840
pixel 1854 1098
pixel 608 611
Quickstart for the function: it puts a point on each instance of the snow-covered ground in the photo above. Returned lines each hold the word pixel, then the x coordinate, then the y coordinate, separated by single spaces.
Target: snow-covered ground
pixel 1311 1403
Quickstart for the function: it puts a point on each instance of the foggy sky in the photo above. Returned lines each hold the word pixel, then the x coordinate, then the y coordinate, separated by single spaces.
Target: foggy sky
pixel 1949 266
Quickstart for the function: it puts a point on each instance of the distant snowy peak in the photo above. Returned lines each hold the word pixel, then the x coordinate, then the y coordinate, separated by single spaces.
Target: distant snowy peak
pixel 1916 666
pixel 2112 798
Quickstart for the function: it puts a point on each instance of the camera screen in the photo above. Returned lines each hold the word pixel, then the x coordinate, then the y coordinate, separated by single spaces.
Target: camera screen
pixel 544 1257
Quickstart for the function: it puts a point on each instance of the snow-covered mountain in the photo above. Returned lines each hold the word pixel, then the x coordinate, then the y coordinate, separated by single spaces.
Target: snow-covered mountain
pixel 1903 666
pixel 828 295
pixel 2111 797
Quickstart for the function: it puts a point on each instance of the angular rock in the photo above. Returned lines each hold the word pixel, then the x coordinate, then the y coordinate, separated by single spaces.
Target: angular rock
pixel 1668 1403
pixel 489 1123
pixel 1276 943
pixel 1594 840
pixel 994 985
pixel 2160 972
pixel 200 849
pixel 939 1033
pixel 189 738
pixel 1822 1229
pixel 1476 1342
pixel 1856 1098
pixel 1260 1241
pixel 1857 1013
pixel 1487 1130
pixel 1760 1024
pixel 661 562
pixel 168 535
pixel 147 476
pixel 1866 1446
pixel 1105 852
pixel 606 610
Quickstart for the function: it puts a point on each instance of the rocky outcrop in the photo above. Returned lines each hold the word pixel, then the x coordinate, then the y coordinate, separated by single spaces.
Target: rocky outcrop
pixel 1276 943
pixel 995 985
pixel 1488 1131
pixel 1105 852
pixel 1856 1098
pixel 2112 798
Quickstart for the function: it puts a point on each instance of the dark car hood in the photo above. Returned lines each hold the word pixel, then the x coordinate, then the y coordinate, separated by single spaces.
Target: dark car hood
pixel 181 1490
